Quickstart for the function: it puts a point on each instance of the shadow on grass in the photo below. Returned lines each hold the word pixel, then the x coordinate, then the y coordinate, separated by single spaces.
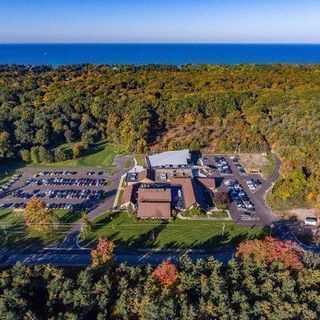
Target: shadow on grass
pixel 5 215
pixel 22 238
pixel 70 217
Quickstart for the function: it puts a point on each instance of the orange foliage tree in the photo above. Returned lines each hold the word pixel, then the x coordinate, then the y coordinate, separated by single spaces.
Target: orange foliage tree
pixel 166 273
pixel 103 252
pixel 37 216
pixel 270 250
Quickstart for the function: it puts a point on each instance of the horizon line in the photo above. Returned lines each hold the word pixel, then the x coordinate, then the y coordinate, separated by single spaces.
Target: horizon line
pixel 158 42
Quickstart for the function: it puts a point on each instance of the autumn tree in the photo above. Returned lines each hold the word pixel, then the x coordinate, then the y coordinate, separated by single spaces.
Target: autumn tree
pixel 166 273
pixel 271 250
pixel 86 226
pixel 38 217
pixel 103 252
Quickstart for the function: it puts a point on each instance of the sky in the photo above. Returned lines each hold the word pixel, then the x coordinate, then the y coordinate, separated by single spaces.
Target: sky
pixel 238 21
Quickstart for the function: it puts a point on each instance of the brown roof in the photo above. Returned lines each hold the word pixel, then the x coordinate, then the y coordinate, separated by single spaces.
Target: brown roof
pixel 187 190
pixel 128 194
pixel 209 183
pixel 159 210
pixel 154 195
pixel 154 203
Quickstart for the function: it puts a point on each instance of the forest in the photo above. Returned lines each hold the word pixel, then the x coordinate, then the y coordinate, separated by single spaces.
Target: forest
pixel 252 108
pixel 268 279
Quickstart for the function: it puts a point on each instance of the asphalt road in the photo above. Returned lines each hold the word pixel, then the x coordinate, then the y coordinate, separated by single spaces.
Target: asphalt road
pixel 81 257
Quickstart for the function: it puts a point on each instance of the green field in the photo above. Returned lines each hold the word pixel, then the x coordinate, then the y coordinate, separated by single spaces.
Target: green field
pixel 14 233
pixel 100 155
pixel 127 231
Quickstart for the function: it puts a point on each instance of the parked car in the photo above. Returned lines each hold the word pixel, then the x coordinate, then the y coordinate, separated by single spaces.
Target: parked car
pixel 311 221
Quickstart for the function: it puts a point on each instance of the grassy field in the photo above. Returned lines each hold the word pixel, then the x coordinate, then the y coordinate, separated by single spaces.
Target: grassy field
pixel 14 233
pixel 127 231
pixel 101 156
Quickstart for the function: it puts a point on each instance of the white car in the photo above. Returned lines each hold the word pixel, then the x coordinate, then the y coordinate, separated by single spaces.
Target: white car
pixel 311 221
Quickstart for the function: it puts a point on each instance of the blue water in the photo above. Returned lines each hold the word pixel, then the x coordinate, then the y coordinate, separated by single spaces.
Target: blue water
pixel 57 54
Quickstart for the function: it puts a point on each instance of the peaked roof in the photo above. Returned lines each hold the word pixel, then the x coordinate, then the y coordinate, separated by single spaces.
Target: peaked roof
pixel 160 210
pixel 187 190
pixel 154 195
pixel 127 194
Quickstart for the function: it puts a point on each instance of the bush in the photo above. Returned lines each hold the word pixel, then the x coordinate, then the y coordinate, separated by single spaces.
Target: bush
pixel 61 154
pixel 78 149
pixel 25 155
pixel 45 155
pixel 34 154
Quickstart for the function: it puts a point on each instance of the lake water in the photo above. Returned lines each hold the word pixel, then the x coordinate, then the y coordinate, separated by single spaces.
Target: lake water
pixel 57 54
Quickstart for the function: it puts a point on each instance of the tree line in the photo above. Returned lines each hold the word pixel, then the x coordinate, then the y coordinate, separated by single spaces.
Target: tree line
pixel 222 108
pixel 268 279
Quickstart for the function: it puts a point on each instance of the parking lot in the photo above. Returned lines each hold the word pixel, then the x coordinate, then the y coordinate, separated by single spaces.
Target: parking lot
pixel 245 191
pixel 59 189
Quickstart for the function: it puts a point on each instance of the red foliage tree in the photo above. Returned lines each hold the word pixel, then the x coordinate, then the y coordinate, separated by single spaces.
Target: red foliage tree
pixel 269 250
pixel 166 273
pixel 103 252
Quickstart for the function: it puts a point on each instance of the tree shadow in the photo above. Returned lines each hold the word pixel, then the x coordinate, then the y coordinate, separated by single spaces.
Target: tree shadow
pixel 107 219
pixel 148 239
pixel 70 216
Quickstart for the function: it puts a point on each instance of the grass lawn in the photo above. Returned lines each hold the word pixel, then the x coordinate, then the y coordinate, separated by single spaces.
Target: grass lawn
pixel 100 155
pixel 14 233
pixel 127 231
pixel 219 214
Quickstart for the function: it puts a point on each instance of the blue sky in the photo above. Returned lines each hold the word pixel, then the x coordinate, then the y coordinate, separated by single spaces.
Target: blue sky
pixel 160 21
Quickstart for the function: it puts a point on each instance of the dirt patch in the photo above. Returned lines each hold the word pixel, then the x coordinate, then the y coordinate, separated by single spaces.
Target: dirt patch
pixel 254 162
pixel 299 213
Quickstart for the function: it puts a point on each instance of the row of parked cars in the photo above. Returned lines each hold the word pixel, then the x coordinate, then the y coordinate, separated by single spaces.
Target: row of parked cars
pixel 4 188
pixel 239 196
pixel 62 194
pixel 64 173
pixel 83 182
pixel 222 165
pixel 71 194
pixel 55 173
pixel 13 205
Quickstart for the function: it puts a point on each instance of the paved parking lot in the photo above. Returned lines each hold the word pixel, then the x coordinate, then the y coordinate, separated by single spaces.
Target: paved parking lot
pixel 246 191
pixel 59 188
